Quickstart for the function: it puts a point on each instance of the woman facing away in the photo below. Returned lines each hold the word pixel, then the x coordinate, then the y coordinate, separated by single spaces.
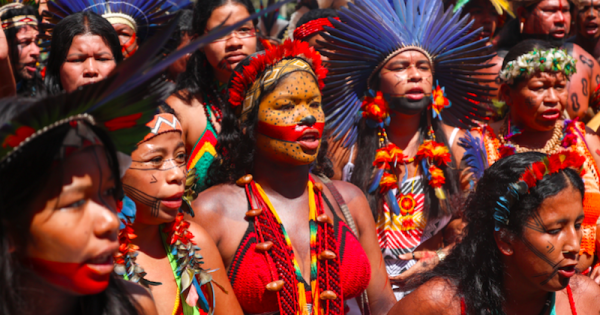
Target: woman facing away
pixel 287 245
pixel 179 259
pixel 536 97
pixel 520 248
pixel 200 95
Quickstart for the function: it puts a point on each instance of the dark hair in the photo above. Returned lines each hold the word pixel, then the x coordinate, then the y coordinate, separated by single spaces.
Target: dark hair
pixel 31 87
pixel 80 23
pixel 198 76
pixel 366 145
pixel 236 148
pixel 184 27
pixel 475 265
pixel 522 48
pixel 316 14
pixel 23 177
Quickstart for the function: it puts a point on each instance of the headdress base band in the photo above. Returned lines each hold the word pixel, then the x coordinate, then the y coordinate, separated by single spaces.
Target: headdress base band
pixel 120 18
pixel 394 54
pixel 19 20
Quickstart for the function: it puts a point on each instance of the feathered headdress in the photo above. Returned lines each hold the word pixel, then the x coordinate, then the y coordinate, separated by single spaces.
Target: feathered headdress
pixel 371 32
pixel 501 6
pixel 143 16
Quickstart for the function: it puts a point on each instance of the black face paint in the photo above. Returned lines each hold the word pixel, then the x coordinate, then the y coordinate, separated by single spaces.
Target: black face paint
pixel 143 198
pixel 586 61
pixel 584 86
pixel 405 106
pixel 308 121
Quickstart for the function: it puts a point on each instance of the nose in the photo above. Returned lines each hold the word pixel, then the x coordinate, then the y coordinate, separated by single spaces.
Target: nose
pixel 234 42
pixel 35 50
pixel 106 223
pixel 572 243
pixel 308 121
pixel 560 18
pixel 176 174
pixel 90 69
pixel 413 74
pixel 551 98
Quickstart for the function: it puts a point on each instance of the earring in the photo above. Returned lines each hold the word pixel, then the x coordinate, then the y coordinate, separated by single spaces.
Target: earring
pixel 522 24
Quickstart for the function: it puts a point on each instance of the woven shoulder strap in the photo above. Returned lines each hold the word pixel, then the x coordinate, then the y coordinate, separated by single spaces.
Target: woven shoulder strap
pixel 363 300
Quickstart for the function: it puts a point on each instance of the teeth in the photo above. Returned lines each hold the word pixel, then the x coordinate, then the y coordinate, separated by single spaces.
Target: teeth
pixel 99 259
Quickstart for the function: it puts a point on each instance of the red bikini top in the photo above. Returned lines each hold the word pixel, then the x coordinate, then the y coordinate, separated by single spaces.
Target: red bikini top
pixel 249 271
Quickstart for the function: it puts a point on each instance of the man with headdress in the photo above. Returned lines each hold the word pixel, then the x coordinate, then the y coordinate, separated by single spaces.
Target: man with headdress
pixel 20 25
pixel 551 20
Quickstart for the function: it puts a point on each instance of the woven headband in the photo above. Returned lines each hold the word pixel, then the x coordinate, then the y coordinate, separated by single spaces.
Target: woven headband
pixel 311 27
pixel 120 18
pixel 162 123
pixel 396 53
pixel 549 165
pixel 19 20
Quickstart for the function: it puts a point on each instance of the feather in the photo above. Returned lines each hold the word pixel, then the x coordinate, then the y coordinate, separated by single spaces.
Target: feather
pixel 376 179
pixel 392 202
pixel 475 155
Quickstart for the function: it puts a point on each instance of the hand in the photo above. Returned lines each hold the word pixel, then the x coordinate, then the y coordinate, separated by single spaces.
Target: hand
pixel 426 260
pixel 595 274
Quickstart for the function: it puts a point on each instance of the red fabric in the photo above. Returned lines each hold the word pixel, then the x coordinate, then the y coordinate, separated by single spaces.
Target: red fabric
pixel 250 271
pixel 311 27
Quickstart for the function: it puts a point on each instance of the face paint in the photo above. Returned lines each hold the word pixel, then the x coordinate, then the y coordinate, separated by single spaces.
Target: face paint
pixel 81 278
pixel 156 179
pixel 406 106
pixel 291 121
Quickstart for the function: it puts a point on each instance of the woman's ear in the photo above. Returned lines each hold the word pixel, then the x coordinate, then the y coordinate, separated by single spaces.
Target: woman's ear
pixel 504 94
pixel 504 241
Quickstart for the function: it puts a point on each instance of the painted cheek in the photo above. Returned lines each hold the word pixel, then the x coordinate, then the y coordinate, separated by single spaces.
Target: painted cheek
pixel 287 133
pixel 76 277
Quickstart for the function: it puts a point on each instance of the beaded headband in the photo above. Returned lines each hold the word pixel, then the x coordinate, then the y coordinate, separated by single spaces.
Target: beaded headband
pixel 19 20
pixel 550 164
pixel 312 27
pixel 299 56
pixel 552 60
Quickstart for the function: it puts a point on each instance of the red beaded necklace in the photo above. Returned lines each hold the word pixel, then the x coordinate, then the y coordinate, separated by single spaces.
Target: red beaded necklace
pixel 325 288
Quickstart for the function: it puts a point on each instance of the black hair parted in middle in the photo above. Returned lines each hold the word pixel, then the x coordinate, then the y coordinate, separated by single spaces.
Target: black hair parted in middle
pixel 80 23
pixel 236 149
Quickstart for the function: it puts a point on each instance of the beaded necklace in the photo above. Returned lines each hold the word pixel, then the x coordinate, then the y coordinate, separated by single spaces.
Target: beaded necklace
pixel 552 146
pixel 325 289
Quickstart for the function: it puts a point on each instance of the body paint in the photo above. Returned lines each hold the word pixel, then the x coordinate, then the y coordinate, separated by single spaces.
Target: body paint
pixel 288 133
pixel 77 277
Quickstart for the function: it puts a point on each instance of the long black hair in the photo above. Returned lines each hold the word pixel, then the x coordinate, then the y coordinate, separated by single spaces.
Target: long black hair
pixel 80 23
pixel 475 265
pixel 198 76
pixel 366 145
pixel 26 88
pixel 21 179
pixel 236 148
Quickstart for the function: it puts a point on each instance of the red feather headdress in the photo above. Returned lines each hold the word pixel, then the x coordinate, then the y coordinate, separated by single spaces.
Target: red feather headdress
pixel 244 80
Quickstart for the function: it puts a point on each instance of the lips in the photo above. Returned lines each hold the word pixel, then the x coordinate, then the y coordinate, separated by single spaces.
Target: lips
pixel 551 114
pixel 173 202
pixel 292 133
pixel 567 271
pixel 101 264
pixel 591 28
pixel 309 139
pixel 415 94
pixel 560 33
pixel 235 57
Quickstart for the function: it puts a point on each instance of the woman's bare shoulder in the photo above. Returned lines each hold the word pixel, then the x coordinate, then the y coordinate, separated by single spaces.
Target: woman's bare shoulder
pixel 436 296
pixel 141 296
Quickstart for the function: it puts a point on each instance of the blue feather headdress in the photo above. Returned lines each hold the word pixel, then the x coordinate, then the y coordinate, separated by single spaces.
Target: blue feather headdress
pixel 370 32
pixel 143 16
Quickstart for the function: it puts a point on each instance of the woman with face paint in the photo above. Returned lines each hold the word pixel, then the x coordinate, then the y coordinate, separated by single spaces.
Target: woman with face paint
pixel 536 97
pixel 520 248
pixel 179 259
pixel 416 83
pixel 287 247
pixel 200 94
pixel 59 186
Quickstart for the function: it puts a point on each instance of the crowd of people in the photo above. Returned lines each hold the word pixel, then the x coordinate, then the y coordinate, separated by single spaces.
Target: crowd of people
pixel 348 157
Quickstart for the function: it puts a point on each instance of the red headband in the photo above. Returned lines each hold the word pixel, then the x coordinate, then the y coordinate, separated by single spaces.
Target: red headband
pixel 311 27
pixel 552 164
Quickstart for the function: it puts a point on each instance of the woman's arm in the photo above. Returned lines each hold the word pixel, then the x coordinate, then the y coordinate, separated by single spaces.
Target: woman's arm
pixel 381 297
pixel 8 86
pixel 434 297
pixel 226 302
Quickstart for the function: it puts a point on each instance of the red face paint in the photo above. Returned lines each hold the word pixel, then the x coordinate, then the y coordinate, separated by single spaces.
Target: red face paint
pixel 289 133
pixel 126 46
pixel 75 277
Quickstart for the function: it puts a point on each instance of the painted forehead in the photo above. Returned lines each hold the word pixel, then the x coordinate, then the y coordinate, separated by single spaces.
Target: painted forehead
pixel 298 84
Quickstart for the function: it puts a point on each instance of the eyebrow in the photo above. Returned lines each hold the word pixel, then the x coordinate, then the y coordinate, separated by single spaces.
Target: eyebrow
pixel 402 62
pixel 86 55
